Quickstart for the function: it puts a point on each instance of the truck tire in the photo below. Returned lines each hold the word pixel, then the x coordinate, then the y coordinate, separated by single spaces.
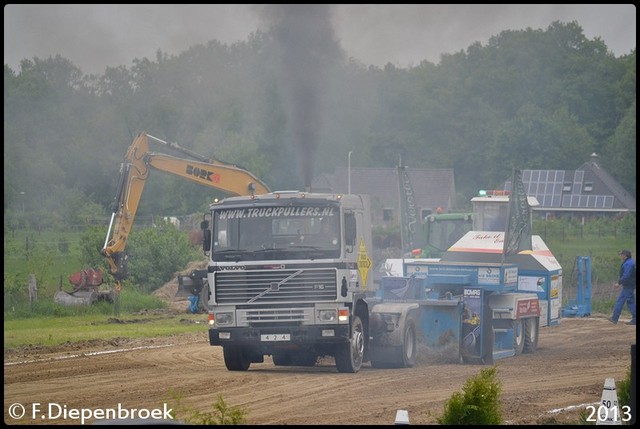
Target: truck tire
pixel 349 356
pixel 518 335
pixel 409 347
pixel 403 356
pixel 236 358
pixel 531 333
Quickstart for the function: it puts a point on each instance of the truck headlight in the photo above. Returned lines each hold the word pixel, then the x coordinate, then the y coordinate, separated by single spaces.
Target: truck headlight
pixel 224 319
pixel 327 315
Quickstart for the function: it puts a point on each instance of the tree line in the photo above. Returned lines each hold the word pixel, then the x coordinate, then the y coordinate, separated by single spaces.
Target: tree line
pixel 529 99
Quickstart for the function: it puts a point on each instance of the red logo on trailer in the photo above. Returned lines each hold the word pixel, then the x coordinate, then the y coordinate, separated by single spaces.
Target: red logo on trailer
pixel 528 307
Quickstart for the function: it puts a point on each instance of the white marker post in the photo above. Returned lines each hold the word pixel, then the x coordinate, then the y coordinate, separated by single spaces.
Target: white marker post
pixel 608 412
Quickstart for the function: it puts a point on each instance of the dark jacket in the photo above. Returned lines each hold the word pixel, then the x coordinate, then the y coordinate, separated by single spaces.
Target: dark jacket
pixel 627 276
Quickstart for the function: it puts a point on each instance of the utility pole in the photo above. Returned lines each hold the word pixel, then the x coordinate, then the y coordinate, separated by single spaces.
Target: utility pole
pixel 349 172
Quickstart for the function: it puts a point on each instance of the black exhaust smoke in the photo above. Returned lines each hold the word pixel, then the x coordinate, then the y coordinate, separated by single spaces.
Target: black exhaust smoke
pixel 308 49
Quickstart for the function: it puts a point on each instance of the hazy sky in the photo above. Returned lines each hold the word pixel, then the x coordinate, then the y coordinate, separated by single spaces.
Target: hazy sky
pixel 94 36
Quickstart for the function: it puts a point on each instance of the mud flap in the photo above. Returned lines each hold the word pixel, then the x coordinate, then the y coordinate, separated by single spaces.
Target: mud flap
pixel 441 326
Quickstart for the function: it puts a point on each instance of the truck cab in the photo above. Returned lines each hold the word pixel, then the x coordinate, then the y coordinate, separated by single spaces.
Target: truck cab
pixel 288 277
pixel 490 210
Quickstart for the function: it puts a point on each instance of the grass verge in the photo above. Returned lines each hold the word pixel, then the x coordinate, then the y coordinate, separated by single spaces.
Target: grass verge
pixel 51 331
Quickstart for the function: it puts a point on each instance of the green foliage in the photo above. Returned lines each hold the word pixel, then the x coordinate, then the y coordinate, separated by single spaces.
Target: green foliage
pixel 624 390
pixel 91 243
pixel 156 254
pixel 478 404
pixel 15 292
pixel 600 239
pixel 621 147
pixel 36 255
pixel 16 304
pixel 532 99
pixel 161 252
pixel 220 414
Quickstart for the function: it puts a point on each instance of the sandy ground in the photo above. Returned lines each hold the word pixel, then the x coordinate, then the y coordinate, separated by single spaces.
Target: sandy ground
pixel 568 370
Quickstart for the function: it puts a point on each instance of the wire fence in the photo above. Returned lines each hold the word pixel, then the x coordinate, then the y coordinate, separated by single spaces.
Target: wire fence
pixel 566 231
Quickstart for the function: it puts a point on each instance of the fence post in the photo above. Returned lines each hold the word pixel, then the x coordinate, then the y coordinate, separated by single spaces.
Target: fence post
pixel 33 289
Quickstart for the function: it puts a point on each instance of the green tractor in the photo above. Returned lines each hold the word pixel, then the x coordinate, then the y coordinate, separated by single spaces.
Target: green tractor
pixel 442 230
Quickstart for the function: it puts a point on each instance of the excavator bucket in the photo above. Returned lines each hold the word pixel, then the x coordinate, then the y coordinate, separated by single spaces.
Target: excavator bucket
pixel 191 284
pixel 86 283
pixel 84 297
pixel 88 278
pixel 195 288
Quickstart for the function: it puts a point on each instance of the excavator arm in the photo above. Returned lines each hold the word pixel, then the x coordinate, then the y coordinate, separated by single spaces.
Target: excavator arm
pixel 134 172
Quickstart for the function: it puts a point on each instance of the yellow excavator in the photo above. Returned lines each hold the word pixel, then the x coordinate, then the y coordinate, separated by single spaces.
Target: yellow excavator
pixel 134 172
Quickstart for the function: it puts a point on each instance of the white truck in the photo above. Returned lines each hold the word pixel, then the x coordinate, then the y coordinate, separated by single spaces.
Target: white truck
pixel 288 277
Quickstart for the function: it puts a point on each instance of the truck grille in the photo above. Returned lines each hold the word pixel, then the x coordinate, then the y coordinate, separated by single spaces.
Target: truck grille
pixel 275 286
pixel 275 315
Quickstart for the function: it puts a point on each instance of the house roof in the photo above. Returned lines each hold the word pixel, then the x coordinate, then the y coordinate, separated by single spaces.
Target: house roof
pixel 432 187
pixel 589 188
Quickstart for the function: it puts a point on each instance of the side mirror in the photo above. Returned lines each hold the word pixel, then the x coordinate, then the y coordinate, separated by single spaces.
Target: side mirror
pixel 206 235
pixel 206 240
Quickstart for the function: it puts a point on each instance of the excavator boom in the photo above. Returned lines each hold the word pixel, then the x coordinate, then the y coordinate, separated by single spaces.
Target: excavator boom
pixel 134 172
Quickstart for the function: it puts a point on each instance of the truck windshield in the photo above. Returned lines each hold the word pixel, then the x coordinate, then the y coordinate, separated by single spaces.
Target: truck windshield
pixel 276 232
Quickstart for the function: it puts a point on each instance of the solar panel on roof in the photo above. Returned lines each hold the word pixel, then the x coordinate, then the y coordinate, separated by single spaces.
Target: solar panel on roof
pixel 548 187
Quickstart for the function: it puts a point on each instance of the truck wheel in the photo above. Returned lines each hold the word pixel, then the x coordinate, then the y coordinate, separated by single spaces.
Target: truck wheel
pixel 236 358
pixel 349 356
pixel 531 333
pixel 403 356
pixel 409 345
pixel 518 336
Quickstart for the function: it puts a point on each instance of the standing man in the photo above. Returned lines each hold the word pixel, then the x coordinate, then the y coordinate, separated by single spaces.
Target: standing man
pixel 626 279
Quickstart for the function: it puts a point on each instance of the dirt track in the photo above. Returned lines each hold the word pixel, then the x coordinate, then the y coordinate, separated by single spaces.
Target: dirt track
pixel 568 369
